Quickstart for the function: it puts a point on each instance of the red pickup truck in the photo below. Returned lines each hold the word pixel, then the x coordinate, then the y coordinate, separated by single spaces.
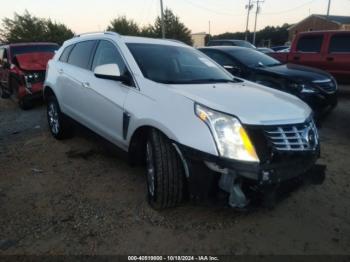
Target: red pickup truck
pixel 326 50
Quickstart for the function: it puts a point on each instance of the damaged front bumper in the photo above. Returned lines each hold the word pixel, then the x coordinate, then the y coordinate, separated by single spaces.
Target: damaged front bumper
pixel 207 174
pixel 30 91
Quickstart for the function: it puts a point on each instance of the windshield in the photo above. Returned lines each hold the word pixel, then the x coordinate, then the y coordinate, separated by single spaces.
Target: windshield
pixel 253 58
pixel 176 65
pixel 25 49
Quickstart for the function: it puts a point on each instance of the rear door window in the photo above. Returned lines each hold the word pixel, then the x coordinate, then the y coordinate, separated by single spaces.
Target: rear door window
pixel 81 53
pixel 65 53
pixel 310 44
pixel 340 43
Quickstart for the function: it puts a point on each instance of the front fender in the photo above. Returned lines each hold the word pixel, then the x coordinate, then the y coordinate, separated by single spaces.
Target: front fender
pixel 173 115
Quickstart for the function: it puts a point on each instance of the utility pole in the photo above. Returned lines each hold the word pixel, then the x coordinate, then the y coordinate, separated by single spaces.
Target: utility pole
pixel 209 28
pixel 162 17
pixel 249 8
pixel 256 18
pixel 329 7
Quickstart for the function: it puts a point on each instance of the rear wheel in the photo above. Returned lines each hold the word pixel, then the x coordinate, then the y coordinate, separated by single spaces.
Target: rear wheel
pixel 4 94
pixel 58 123
pixel 165 172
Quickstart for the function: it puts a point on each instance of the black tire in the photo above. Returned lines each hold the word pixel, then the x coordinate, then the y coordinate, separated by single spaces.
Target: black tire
pixel 59 125
pixel 3 93
pixel 25 104
pixel 165 172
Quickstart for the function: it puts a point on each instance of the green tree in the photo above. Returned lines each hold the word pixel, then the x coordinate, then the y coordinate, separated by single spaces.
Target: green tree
pixel 148 31
pixel 277 35
pixel 174 28
pixel 124 26
pixel 28 28
pixel 57 33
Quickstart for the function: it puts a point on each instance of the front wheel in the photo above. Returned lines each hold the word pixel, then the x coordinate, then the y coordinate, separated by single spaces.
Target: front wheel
pixel 58 123
pixel 165 172
pixel 25 103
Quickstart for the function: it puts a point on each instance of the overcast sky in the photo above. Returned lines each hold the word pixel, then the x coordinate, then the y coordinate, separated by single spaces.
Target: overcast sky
pixel 225 15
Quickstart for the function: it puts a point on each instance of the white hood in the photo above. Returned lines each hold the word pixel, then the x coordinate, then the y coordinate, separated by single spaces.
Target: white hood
pixel 253 104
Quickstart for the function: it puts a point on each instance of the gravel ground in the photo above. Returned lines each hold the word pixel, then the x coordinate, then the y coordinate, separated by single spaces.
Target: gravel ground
pixel 79 196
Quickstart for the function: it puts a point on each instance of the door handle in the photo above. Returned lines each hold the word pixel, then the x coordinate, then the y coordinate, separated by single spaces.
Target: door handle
pixel 330 58
pixel 86 84
pixel 296 58
pixel 60 71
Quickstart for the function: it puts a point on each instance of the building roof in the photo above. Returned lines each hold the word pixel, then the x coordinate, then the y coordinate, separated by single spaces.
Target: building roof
pixel 338 19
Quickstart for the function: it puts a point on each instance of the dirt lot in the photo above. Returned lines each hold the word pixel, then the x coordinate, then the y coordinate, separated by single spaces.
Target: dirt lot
pixel 80 197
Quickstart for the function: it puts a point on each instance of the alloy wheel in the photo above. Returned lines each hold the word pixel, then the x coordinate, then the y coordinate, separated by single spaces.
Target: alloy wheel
pixel 53 118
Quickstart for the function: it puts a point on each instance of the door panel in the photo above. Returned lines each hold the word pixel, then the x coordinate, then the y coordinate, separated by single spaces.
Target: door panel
pixel 104 101
pixel 308 51
pixel 105 98
pixel 74 70
pixel 73 92
pixel 338 55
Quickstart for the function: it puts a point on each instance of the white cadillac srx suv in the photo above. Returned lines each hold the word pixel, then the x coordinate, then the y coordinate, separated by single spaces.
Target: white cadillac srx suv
pixel 198 130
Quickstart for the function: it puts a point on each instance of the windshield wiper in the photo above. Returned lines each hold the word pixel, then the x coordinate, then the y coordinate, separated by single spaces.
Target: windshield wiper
pixel 210 80
pixel 201 81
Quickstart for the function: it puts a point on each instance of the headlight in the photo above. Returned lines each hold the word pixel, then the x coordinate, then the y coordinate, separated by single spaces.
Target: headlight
pixel 230 137
pixel 302 88
pixel 31 77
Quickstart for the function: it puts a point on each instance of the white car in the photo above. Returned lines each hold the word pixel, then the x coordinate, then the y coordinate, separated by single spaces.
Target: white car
pixel 198 130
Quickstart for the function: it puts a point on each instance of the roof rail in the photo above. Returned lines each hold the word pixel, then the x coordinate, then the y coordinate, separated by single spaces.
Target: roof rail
pixel 111 33
pixel 175 40
pixel 98 32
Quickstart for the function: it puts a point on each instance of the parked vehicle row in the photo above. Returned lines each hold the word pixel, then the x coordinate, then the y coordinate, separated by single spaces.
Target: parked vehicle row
pixel 228 42
pixel 315 87
pixel 22 70
pixel 326 50
pixel 198 129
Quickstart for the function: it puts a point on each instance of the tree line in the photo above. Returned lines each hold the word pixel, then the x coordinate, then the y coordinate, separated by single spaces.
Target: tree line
pixel 275 35
pixel 29 28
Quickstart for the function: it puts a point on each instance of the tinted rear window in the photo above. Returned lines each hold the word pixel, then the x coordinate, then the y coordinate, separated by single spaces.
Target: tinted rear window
pixel 81 53
pixel 252 58
pixel 17 50
pixel 311 44
pixel 340 44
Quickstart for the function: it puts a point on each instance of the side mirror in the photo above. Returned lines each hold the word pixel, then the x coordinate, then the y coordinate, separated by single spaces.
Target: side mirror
pixel 108 71
pixel 112 72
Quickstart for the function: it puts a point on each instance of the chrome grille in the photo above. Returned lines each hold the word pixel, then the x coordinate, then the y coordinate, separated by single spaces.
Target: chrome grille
pixel 300 137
